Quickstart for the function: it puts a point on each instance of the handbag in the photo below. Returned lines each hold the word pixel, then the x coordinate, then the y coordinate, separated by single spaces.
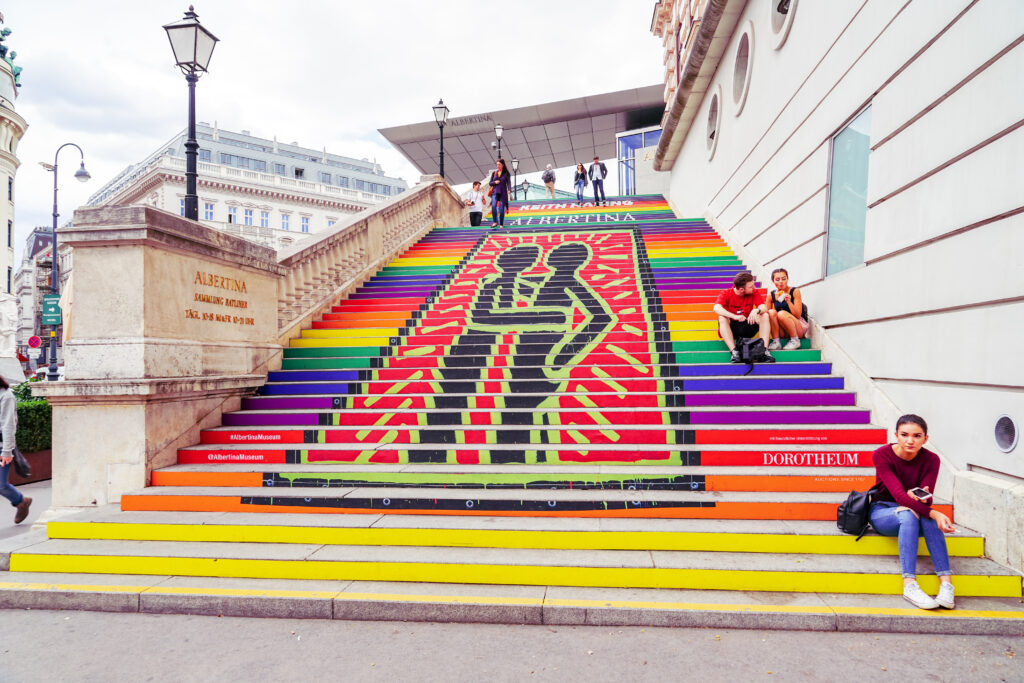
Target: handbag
pixel 21 465
pixel 750 351
pixel 854 514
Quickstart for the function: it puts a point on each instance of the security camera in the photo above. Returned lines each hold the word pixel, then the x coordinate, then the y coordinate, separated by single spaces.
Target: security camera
pixel 494 144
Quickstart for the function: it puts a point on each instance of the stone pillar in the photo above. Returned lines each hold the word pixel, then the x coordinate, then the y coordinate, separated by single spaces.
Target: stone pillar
pixel 173 322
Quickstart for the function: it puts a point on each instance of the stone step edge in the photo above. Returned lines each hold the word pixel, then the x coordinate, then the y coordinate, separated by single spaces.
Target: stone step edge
pixel 561 539
pixel 468 604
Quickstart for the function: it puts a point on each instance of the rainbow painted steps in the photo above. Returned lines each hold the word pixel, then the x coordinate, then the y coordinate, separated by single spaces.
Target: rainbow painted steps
pixel 544 405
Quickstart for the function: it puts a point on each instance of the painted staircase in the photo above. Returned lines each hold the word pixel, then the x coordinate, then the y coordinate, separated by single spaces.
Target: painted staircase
pixel 547 404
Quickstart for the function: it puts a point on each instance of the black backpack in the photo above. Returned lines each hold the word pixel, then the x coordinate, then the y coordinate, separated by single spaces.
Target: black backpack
pixel 854 515
pixel 750 351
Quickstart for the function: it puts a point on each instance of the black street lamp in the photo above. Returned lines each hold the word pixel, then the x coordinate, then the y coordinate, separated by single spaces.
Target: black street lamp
pixel 193 46
pixel 526 188
pixel 498 131
pixel 441 116
pixel 515 179
pixel 81 175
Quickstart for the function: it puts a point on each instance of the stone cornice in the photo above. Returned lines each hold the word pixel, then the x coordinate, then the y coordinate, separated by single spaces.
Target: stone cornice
pixel 122 225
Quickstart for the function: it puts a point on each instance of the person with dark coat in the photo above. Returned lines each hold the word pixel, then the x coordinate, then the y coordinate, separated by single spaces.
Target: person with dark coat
pixel 598 172
pixel 501 189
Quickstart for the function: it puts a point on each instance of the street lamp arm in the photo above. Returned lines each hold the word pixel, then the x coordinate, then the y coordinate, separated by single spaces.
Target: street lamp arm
pixel 67 144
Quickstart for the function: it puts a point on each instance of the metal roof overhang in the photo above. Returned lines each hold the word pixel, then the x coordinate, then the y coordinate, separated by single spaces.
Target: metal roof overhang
pixel 556 133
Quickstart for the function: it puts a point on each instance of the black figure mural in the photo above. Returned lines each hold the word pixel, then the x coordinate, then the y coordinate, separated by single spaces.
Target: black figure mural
pixel 542 310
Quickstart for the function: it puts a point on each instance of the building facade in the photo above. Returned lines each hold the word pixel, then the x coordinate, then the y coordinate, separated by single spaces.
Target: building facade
pixel 269 192
pixel 873 149
pixel 31 281
pixel 12 128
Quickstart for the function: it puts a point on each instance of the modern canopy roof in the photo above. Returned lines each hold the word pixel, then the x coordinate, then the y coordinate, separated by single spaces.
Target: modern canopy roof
pixel 556 133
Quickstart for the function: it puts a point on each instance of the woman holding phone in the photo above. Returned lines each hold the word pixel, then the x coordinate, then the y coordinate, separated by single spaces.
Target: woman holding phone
pixel 501 188
pixel 902 508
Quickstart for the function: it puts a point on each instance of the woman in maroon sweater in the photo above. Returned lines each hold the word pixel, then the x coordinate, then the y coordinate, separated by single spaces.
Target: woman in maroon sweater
pixel 902 467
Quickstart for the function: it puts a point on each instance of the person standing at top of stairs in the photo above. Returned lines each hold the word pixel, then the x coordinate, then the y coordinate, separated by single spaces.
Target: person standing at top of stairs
pixel 743 314
pixel 501 188
pixel 907 470
pixel 598 172
pixel 549 182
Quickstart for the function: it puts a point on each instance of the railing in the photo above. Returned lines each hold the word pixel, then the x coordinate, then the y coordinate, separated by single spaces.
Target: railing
pixel 327 265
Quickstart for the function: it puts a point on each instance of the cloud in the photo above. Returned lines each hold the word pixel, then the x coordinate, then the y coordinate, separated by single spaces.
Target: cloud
pixel 322 72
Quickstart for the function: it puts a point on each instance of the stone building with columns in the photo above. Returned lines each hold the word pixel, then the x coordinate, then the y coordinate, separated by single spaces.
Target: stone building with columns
pixel 260 189
pixel 12 128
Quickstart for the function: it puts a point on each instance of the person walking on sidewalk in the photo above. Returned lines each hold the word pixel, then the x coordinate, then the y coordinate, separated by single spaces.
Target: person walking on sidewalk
pixel 501 188
pixel 903 508
pixel 579 180
pixel 548 176
pixel 598 172
pixel 9 425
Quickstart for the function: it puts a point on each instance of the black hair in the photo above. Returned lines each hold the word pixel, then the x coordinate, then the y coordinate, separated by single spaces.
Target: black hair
pixel 4 384
pixel 910 418
pixel 741 280
pixel 504 167
pixel 779 270
pixel 475 183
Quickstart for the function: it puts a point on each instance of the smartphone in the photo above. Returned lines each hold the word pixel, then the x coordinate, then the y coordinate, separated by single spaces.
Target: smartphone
pixel 921 493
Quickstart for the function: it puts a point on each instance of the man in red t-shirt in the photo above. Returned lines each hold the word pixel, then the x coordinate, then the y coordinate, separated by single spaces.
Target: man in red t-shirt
pixel 742 313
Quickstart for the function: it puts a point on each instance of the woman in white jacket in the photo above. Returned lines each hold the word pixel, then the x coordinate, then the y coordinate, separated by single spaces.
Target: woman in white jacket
pixel 9 428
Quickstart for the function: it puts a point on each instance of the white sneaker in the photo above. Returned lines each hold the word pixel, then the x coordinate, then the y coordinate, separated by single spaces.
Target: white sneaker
pixel 793 343
pixel 913 594
pixel 945 596
pixel 774 345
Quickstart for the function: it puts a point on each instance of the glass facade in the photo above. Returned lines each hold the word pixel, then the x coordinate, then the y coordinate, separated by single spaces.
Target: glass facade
pixel 628 144
pixel 848 195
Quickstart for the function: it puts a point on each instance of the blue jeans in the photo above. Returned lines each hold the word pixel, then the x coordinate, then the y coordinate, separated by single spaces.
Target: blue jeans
pixel 907 528
pixel 598 188
pixel 498 210
pixel 579 191
pixel 6 490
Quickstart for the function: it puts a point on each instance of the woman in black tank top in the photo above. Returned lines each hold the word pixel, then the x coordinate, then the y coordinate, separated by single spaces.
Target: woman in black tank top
pixel 786 313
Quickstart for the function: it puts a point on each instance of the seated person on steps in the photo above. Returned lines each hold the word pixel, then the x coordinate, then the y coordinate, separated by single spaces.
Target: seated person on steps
pixel 786 312
pixel 903 508
pixel 742 313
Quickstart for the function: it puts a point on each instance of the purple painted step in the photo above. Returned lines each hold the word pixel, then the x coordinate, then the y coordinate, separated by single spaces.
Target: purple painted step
pixel 759 384
pixel 296 403
pixel 802 399
pixel 782 417
pixel 314 388
pixel 699 370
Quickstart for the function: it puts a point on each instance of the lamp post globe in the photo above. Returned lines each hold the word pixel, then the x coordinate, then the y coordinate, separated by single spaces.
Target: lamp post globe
pixel 498 130
pixel 81 175
pixel 526 188
pixel 441 116
pixel 515 173
pixel 192 45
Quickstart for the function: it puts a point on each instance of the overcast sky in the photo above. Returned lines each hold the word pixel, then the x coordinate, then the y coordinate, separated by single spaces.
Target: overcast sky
pixel 320 72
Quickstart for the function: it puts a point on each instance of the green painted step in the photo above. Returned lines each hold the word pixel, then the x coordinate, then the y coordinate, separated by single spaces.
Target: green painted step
pixel 417 270
pixel 696 261
pixel 699 357
pixel 333 351
pixel 715 345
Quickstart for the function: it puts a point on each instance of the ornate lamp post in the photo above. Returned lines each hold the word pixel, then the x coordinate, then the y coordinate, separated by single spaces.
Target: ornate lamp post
pixel 526 188
pixel 515 180
pixel 498 131
pixel 441 116
pixel 193 46
pixel 81 175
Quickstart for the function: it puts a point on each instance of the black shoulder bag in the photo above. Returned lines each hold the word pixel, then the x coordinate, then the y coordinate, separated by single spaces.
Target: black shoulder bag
pixel 854 515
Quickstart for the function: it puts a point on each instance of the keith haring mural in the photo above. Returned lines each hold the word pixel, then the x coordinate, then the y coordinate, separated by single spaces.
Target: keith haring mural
pixel 523 334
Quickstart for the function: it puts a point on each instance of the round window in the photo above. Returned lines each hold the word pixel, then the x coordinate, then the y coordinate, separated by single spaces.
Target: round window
pixel 714 122
pixel 782 19
pixel 1006 433
pixel 741 70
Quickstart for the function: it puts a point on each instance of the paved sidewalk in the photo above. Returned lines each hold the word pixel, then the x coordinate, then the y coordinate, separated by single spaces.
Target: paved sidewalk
pixel 89 646
pixel 40 493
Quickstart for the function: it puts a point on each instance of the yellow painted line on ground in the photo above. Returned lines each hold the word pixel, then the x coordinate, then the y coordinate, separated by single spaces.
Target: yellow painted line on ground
pixel 612 577
pixel 516 601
